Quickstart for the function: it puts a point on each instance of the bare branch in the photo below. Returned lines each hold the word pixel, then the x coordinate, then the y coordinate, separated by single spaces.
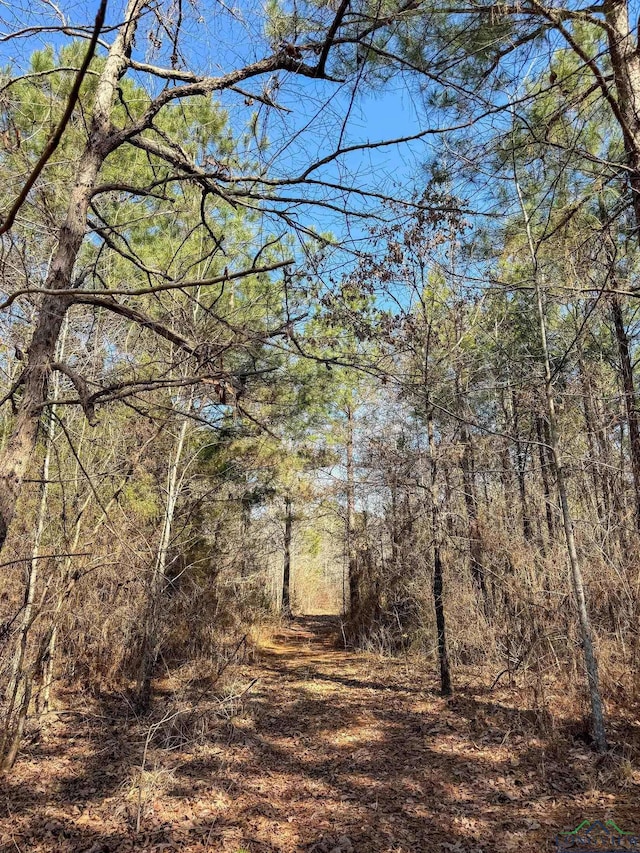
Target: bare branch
pixel 333 29
pixel 81 387
pixel 54 141
pixel 136 316
pixel 34 75
pixel 81 296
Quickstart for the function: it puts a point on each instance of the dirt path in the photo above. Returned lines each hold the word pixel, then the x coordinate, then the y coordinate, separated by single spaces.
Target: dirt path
pixel 328 751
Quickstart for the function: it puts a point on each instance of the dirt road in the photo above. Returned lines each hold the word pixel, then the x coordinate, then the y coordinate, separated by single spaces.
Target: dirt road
pixel 327 751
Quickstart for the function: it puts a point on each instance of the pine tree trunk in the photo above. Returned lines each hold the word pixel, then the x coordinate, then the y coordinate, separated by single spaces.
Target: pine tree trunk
pixel 22 675
pixel 625 64
pixel 438 578
pixel 21 443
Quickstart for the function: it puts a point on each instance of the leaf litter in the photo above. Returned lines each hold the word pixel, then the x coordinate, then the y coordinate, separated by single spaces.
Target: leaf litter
pixel 330 751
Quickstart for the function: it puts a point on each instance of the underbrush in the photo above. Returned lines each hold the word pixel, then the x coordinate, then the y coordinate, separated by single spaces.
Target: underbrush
pixel 518 632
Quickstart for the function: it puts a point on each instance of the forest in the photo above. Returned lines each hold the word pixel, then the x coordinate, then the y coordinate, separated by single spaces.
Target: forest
pixel 319 426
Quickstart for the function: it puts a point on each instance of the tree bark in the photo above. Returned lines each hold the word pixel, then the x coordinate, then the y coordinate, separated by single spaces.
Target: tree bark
pixel 22 676
pixel 443 654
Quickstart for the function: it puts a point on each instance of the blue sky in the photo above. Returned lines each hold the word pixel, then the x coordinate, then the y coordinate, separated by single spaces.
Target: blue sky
pixel 216 39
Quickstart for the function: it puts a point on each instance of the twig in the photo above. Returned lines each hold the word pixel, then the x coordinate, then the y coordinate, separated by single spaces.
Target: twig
pixel 150 733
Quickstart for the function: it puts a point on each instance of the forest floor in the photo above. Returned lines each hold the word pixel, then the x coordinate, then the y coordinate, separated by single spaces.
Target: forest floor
pixel 317 750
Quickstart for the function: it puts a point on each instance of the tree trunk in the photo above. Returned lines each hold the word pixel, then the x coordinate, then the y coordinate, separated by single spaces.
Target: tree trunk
pixel 630 400
pixel 625 64
pixel 598 482
pixel 352 556
pixel 521 466
pixel 443 654
pixel 48 671
pixel 286 574
pixel 544 471
pixel 157 582
pixel 17 453
pixel 245 525
pixel 471 504
pixel 438 579
pixel 21 678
